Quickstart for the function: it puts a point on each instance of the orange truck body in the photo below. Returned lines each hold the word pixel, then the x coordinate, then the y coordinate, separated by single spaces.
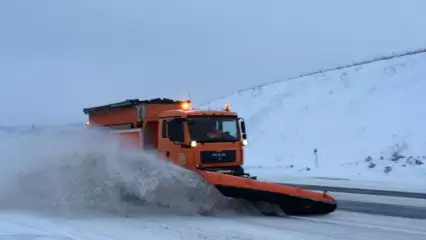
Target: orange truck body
pixel 148 124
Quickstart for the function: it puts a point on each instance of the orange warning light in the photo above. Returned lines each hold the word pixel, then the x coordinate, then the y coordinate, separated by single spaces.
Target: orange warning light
pixel 185 105
pixel 227 107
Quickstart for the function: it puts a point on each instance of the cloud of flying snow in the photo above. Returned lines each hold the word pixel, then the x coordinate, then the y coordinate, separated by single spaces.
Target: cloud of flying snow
pixel 86 171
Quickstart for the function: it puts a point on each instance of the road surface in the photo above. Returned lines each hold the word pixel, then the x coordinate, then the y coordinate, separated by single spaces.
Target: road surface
pixel 377 202
pixel 362 217
pixel 339 225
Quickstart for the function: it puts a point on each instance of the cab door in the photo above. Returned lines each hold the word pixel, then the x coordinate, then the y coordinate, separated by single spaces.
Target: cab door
pixel 172 135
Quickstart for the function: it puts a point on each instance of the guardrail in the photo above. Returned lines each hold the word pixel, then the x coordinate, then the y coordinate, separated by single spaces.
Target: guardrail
pixel 390 193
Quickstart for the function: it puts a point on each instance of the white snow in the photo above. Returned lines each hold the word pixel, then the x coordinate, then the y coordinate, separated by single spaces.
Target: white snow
pixel 349 114
pixel 351 226
pixel 61 184
pixel 383 184
pixel 83 171
pixel 364 198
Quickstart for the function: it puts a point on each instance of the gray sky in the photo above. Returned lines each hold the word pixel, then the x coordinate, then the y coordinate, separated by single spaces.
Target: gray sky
pixel 57 57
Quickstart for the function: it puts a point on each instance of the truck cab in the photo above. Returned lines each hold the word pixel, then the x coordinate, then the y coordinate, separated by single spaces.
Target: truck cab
pixel 210 140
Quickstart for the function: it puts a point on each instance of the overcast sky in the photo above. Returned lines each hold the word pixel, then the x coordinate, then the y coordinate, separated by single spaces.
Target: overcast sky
pixel 57 57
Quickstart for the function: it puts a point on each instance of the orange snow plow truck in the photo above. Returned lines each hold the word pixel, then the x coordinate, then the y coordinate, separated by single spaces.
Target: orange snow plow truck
pixel 209 142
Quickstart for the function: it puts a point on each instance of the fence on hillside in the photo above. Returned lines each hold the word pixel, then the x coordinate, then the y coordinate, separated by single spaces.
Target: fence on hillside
pixel 376 59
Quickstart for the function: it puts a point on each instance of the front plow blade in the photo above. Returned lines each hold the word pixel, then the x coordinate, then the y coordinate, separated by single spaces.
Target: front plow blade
pixel 292 200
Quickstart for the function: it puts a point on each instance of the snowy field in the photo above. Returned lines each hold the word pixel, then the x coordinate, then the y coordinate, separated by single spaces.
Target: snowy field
pixel 366 123
pixel 60 185
pixel 386 184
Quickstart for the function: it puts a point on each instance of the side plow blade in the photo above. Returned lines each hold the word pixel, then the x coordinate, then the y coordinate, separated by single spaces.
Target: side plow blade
pixel 291 200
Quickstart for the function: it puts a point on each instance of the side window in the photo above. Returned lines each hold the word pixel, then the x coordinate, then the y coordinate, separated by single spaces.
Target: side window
pixel 164 129
pixel 231 127
pixel 175 131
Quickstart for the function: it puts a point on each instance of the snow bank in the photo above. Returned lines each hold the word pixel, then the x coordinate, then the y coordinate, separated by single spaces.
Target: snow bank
pixel 365 122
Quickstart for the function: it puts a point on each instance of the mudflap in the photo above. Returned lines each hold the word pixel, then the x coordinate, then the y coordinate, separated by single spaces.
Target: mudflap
pixel 291 200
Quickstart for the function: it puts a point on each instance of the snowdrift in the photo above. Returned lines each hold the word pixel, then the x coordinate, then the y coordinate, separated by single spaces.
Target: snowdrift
pixel 364 121
pixel 75 171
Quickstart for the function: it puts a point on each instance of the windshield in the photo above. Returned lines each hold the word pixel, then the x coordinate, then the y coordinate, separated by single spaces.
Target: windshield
pixel 213 129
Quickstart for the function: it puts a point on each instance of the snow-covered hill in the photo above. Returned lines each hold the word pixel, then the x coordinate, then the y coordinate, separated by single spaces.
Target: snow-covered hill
pixel 366 121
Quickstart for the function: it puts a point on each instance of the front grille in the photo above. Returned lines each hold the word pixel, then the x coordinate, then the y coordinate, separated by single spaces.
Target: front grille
pixel 226 156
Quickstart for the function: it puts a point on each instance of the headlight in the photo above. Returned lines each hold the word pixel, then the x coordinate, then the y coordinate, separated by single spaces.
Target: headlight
pixel 193 144
pixel 245 142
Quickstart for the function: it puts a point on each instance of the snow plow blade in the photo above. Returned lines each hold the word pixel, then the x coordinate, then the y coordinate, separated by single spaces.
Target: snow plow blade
pixel 291 200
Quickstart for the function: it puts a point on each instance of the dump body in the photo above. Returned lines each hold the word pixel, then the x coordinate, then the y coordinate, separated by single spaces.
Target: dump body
pixel 130 113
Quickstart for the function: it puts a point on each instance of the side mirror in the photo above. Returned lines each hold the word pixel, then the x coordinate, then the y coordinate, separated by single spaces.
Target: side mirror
pixel 243 129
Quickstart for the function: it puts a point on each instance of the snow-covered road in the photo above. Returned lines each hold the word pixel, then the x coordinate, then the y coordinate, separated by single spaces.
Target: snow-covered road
pixel 45 175
pixel 340 225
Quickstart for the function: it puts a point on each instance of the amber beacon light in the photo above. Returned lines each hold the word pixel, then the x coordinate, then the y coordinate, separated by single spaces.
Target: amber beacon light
pixel 185 105
pixel 227 107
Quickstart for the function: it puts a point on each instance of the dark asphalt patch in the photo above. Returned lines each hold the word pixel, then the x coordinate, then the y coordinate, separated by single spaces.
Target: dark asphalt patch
pixel 383 209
